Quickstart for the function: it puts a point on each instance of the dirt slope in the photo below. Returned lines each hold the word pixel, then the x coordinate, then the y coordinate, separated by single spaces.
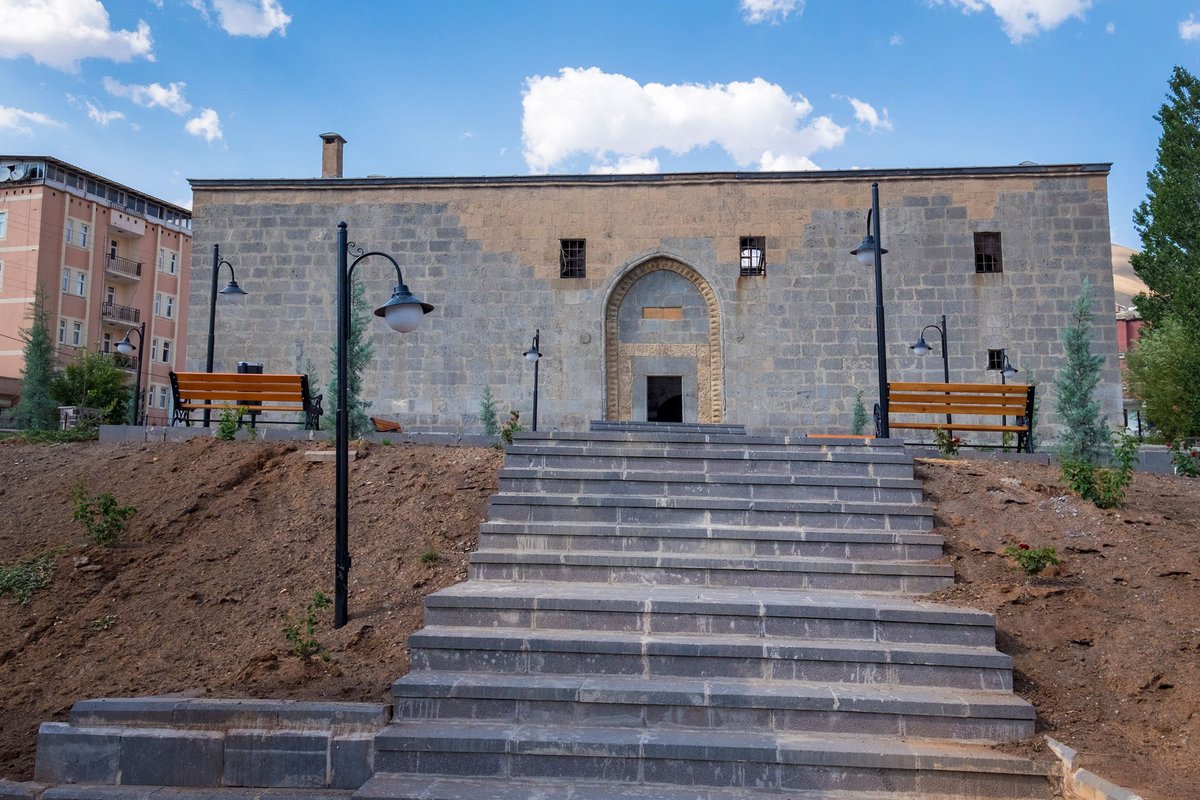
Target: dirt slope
pixel 231 539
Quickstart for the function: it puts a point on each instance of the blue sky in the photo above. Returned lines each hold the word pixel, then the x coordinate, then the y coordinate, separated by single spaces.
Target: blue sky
pixel 153 92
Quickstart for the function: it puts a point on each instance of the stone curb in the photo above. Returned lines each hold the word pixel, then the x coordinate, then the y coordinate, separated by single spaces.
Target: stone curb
pixel 16 790
pixel 1081 784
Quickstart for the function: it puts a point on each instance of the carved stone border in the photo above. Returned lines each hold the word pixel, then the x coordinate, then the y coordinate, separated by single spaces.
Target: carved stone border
pixel 713 410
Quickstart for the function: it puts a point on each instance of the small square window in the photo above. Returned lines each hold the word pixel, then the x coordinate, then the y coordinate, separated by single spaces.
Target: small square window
pixel 995 359
pixel 987 252
pixel 572 258
pixel 753 255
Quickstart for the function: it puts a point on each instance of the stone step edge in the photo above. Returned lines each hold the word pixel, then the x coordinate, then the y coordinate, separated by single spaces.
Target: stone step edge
pixel 710 532
pixel 624 558
pixel 83 791
pixel 833 750
pixel 707 478
pixel 703 451
pixel 789 603
pixel 707 437
pixel 716 693
pixel 411 786
pixel 707 504
pixel 708 645
pixel 231 713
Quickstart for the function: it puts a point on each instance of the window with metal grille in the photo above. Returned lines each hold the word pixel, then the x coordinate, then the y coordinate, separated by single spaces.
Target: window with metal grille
pixel 987 252
pixel 572 258
pixel 753 253
pixel 995 359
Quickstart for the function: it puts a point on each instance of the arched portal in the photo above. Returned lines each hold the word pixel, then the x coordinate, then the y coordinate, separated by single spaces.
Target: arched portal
pixel 662 329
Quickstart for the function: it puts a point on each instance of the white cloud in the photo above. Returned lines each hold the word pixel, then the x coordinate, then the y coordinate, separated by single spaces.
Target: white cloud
pixel 612 117
pixel 100 116
pixel 867 115
pixel 1189 29
pixel 16 120
pixel 1024 18
pixel 772 11
pixel 151 95
pixel 251 17
pixel 1110 28
pixel 206 124
pixel 896 40
pixel 61 33
pixel 628 165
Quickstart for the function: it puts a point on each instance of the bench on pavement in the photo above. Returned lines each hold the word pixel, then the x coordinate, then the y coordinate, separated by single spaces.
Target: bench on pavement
pixel 248 393
pixel 1010 404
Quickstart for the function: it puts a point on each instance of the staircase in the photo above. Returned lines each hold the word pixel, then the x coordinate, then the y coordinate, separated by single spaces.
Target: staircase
pixel 685 612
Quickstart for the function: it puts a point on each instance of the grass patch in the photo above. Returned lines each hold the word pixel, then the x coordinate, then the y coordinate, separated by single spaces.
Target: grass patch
pixel 22 578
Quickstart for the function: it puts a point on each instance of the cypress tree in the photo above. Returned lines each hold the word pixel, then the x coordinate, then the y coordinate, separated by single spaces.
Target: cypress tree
pixel 1168 220
pixel 1085 436
pixel 37 410
pixel 359 352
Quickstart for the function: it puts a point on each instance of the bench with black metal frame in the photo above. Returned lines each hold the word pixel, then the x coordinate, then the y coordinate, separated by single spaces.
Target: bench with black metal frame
pixel 248 393
pixel 975 400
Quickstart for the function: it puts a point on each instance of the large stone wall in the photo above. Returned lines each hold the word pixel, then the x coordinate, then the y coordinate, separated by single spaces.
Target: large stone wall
pixel 789 350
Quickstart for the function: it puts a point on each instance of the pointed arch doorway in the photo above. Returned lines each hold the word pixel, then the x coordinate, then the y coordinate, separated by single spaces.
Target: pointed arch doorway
pixel 662 346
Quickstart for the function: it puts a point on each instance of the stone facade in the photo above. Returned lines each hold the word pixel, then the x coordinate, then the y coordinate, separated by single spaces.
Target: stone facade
pixel 663 294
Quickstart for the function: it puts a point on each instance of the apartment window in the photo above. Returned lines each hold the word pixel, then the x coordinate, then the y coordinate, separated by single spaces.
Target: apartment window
pixel 753 254
pixel 170 307
pixel 76 334
pixel 70 231
pixel 3 224
pixel 164 397
pixel 167 260
pixel 154 349
pixel 66 281
pixel 106 343
pixel 110 295
pixel 166 351
pixel 987 252
pixel 62 331
pixel 572 258
pixel 84 230
pixel 157 304
pixel 81 283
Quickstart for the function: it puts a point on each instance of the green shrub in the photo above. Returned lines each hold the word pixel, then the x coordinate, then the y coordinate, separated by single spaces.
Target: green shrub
pixel 301 633
pixel 511 426
pixel 227 425
pixel 21 579
pixel 859 423
pixel 1032 560
pixel 945 442
pixel 102 518
pixel 487 413
pixel 430 557
pixel 1103 486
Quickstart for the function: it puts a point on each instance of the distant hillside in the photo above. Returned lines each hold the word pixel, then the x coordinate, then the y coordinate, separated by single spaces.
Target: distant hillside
pixel 1125 283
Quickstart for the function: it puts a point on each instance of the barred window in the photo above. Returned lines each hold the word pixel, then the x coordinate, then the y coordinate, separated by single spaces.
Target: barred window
pixel 995 359
pixel 753 250
pixel 572 258
pixel 987 252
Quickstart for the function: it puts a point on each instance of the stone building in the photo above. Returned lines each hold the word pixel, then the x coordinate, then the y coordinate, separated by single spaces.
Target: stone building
pixel 711 297
pixel 108 259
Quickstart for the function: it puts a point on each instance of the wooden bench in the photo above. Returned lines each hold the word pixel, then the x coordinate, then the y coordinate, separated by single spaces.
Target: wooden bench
pixel 1013 401
pixel 252 394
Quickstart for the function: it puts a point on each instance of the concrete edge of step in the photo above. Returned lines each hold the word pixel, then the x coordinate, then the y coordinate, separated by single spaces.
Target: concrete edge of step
pixel 1080 784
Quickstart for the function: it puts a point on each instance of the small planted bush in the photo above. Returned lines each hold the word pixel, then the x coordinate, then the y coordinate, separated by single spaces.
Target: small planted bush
pixel 301 633
pixel 1030 559
pixel 101 516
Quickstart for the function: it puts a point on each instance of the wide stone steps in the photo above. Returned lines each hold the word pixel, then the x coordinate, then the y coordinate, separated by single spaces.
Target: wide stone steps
pixel 746 486
pixel 736 541
pixel 722 704
pixel 711 611
pixel 128 792
pixel 701 758
pixel 707 512
pixel 557 652
pixel 794 572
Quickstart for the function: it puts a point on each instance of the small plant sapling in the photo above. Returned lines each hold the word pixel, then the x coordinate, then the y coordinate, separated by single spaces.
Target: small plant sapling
pixel 946 442
pixel 301 633
pixel 511 426
pixel 101 517
pixel 859 423
pixel 1032 560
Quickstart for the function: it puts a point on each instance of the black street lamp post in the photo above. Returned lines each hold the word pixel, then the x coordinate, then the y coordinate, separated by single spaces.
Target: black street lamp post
pixel 921 347
pixel 871 250
pixel 233 293
pixel 534 354
pixel 126 347
pixel 403 314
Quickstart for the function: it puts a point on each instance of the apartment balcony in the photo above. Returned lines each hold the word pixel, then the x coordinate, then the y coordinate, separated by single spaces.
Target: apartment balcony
pixel 119 314
pixel 124 268
pixel 124 362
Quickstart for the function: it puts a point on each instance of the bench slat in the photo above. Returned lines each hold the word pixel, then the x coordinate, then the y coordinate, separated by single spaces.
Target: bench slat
pixel 956 426
pixel 1011 410
pixel 974 388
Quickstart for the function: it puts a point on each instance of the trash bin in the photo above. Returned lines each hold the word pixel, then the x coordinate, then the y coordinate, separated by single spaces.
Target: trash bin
pixel 250 368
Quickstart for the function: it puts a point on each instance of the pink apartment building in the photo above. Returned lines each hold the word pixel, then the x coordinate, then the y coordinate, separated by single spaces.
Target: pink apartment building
pixel 107 258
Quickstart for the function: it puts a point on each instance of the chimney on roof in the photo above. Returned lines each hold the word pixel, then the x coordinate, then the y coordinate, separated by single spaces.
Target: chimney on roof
pixel 331 155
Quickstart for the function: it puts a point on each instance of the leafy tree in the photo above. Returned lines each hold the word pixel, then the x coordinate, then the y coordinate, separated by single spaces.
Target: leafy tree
pixel 1085 436
pixel 37 410
pixel 1164 372
pixel 93 380
pixel 359 352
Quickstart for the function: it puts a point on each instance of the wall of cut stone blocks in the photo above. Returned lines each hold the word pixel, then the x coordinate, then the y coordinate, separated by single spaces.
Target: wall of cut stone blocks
pixel 796 344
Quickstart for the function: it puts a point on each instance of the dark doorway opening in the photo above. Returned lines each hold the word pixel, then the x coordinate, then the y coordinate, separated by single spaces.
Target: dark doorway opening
pixel 664 398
